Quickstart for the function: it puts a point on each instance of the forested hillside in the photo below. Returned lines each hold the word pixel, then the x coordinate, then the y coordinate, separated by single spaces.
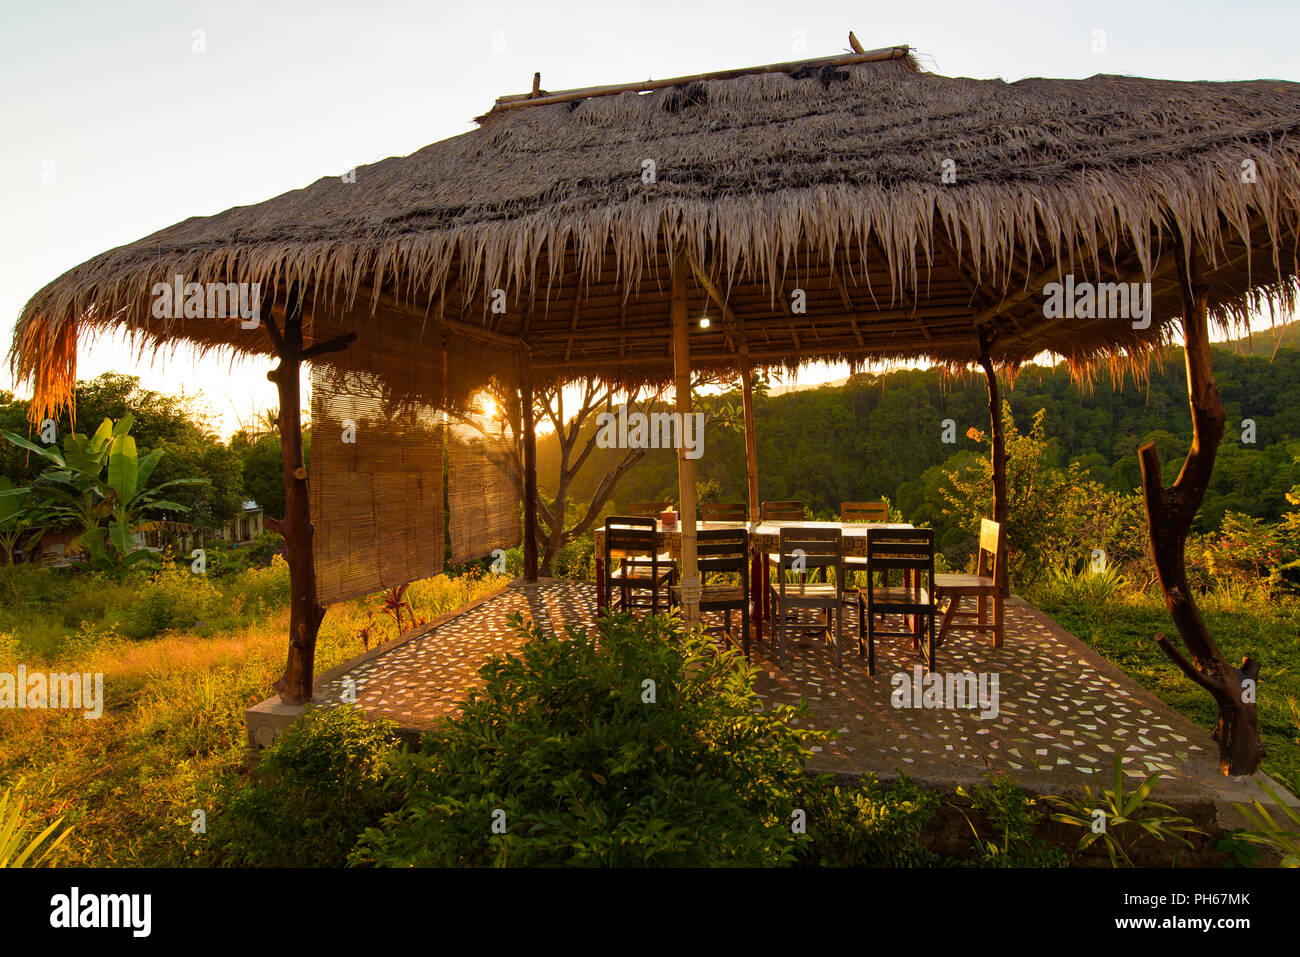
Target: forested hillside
pixel 883 435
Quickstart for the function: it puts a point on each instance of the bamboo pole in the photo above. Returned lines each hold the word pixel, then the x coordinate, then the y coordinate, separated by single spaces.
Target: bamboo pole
pixel 690 580
pixel 751 437
pixel 530 470
pixel 1001 505
pixel 747 388
pixel 519 100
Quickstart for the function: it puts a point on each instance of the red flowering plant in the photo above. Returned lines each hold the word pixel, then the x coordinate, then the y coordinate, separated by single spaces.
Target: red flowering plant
pixel 1250 556
pixel 394 600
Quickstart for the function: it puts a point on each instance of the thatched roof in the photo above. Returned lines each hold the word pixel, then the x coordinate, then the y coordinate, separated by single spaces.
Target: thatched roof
pixel 828 180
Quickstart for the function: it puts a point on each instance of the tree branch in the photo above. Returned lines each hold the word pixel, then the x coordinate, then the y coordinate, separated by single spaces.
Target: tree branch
pixel 1173 653
pixel 337 344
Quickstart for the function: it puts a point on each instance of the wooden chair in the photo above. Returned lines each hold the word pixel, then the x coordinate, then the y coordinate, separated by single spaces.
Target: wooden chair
pixel 910 551
pixel 724 512
pixel 649 510
pixel 633 539
pixel 982 586
pixel 725 551
pixel 782 511
pixel 779 512
pixel 861 512
pixel 802 551
pixel 864 511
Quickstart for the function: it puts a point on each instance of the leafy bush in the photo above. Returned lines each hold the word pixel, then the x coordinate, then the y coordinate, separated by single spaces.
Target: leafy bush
pixel 1248 557
pixel 868 826
pixel 317 788
pixel 1059 517
pixel 640 746
pixel 174 597
pixel 1282 837
pixel 1013 817
pixel 265 549
pixel 577 559
pixel 263 588
pixel 1128 816
pixel 1085 588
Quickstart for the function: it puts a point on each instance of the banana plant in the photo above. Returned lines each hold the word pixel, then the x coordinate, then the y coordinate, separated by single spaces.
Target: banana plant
pixel 22 520
pixel 99 483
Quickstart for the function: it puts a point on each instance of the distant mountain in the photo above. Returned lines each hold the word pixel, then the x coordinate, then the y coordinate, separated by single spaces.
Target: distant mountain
pixel 1264 342
pixel 798 386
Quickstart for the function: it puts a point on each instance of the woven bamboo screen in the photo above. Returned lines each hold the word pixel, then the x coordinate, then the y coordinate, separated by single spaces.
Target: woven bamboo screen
pixel 483 500
pixel 377 456
pixel 376 486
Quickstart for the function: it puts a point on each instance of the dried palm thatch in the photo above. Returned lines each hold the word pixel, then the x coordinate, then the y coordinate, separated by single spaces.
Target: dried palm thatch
pixel 550 230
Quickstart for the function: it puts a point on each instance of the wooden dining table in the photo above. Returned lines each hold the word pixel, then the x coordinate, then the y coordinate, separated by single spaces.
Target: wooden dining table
pixel 764 540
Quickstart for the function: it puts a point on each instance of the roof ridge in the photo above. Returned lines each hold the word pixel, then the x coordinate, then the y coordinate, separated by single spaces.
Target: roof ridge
pixel 539 97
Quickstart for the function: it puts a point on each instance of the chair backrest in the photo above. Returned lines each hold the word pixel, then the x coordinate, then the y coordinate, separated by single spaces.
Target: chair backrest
pixel 723 550
pixel 990 548
pixel 909 549
pixel 724 512
pixel 629 535
pixel 783 511
pixel 653 509
pixel 803 549
pixel 864 512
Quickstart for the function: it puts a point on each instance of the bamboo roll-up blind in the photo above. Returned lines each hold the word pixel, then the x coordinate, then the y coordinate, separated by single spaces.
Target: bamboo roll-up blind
pixel 376 486
pixel 482 499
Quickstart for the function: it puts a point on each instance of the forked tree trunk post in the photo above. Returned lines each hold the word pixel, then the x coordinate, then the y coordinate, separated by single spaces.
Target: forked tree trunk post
pixel 530 469
pixel 1170 512
pixel 1001 507
pixel 305 609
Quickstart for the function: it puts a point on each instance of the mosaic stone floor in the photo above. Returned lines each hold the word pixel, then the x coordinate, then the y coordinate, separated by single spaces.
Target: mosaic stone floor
pixel 1062 712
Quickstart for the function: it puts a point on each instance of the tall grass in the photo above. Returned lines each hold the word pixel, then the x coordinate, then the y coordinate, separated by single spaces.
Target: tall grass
pixel 171 740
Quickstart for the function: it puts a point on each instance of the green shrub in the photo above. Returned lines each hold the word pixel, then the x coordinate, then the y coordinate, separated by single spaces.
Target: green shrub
pixel 174 597
pixel 1249 557
pixel 317 788
pixel 262 589
pixel 581 761
pixel 577 559
pixel 869 825
pixel 265 548
pixel 221 558
pixel 1013 818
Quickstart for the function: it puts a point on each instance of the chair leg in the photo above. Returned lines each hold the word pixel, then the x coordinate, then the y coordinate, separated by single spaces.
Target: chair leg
pixel 928 622
pixel 861 613
pixel 744 626
pixel 999 629
pixel 871 639
pixel 954 604
pixel 839 635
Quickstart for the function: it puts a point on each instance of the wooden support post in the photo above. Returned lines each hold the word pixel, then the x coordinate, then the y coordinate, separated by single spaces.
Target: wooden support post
pixel 751 439
pixel 742 342
pixel 305 610
pixel 1170 512
pixel 1001 506
pixel 690 580
pixel 751 472
pixel 530 469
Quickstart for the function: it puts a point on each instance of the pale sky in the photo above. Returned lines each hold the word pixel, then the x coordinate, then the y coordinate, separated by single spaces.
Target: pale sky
pixel 114 126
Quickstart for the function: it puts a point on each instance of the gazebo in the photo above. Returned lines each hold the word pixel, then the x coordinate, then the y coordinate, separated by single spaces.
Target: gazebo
pixel 848 208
